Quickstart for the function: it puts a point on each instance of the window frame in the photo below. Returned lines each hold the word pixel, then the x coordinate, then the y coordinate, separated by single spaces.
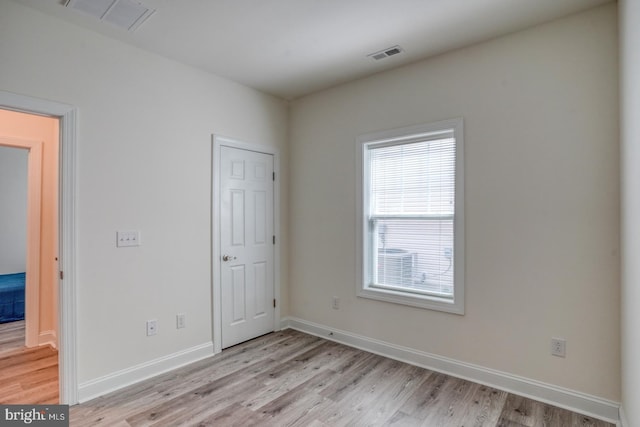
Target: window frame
pixel 406 135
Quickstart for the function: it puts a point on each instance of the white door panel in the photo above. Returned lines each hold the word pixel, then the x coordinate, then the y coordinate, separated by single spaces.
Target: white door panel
pixel 246 244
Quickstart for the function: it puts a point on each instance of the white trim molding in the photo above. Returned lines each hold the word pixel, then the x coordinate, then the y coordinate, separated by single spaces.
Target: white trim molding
pixel 48 338
pixel 126 377
pixel 575 401
pixel 67 231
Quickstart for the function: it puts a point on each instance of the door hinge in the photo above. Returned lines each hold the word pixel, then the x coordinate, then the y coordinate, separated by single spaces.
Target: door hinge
pixel 274 176
pixel 274 239
pixel 61 275
pixel 274 303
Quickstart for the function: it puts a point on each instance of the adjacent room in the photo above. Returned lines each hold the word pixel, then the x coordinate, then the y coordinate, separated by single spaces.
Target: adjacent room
pixel 29 254
pixel 292 212
pixel 13 264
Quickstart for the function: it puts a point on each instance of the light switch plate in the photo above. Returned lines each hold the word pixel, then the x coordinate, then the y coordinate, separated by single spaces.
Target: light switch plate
pixel 127 238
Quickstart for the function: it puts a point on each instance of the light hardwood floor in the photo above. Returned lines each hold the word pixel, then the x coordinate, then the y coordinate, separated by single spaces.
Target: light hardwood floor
pixel 29 376
pixel 290 378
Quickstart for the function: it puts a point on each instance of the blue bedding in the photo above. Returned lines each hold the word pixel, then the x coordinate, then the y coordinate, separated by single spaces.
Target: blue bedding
pixel 11 297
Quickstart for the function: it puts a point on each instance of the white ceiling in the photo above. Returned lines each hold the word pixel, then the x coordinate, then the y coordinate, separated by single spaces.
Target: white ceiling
pixel 290 48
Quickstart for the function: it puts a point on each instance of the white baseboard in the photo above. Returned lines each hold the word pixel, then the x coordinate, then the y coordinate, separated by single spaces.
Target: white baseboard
pixel 623 418
pixel 48 338
pixel 565 398
pixel 117 380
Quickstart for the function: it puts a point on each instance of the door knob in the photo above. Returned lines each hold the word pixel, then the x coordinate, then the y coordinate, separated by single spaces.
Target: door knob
pixel 228 257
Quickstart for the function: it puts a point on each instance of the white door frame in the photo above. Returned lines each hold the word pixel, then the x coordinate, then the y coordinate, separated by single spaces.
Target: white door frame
pixel 219 141
pixel 67 232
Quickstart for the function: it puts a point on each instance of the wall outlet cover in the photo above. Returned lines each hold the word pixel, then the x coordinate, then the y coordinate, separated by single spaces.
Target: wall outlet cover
pixel 559 347
pixel 181 321
pixel 152 327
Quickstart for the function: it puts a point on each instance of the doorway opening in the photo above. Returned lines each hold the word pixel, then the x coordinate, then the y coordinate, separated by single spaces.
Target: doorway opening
pixel 37 231
pixel 29 248
pixel 57 263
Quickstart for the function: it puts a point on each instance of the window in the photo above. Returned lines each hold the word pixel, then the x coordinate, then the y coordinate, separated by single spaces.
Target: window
pixel 411 216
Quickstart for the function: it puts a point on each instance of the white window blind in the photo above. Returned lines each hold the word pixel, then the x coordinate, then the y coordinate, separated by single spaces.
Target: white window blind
pixel 411 214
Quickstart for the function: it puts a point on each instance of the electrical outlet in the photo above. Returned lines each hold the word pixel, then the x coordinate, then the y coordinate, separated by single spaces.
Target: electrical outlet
pixel 558 347
pixel 335 303
pixel 152 327
pixel 181 321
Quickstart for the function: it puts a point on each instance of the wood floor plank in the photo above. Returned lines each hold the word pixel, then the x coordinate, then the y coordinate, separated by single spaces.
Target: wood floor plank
pixel 8 391
pixel 351 377
pixel 209 397
pixel 398 390
pixel 294 371
pixel 294 379
pixel 43 393
pixel 519 410
pixel 29 376
pixel 12 335
pixel 39 377
pixel 451 405
pixel 426 396
pixel 283 392
pixel 400 419
pixel 25 354
pixel 579 420
pixel 181 381
pixel 298 402
pixel 234 415
pixel 363 398
pixel 484 406
pixel 21 369
pixel 335 415
pixel 222 390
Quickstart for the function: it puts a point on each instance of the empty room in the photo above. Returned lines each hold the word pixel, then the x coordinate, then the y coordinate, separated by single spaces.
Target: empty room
pixel 323 213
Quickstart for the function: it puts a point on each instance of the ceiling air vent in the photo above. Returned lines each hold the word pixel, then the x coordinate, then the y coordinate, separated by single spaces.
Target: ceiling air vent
pixel 385 53
pixel 126 14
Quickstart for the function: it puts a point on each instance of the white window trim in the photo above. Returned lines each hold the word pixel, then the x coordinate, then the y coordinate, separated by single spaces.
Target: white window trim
pixel 423 301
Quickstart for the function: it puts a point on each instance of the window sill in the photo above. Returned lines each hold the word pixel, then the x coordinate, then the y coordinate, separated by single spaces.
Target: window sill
pixel 413 300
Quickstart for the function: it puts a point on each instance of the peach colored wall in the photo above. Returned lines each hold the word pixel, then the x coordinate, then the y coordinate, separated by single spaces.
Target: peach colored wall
pixel 26 126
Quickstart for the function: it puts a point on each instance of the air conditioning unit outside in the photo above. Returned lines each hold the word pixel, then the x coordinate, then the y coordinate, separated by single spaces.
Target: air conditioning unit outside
pixel 396 267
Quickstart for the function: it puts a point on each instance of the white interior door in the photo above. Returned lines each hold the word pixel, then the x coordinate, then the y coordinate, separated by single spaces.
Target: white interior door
pixel 246 244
